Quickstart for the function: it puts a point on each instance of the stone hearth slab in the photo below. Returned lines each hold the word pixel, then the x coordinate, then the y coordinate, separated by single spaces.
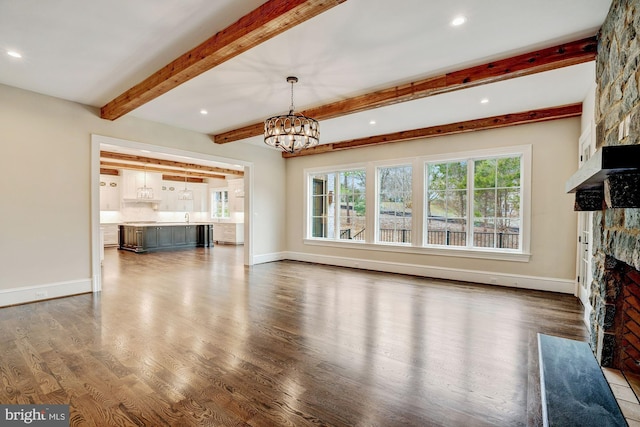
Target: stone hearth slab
pixel 573 387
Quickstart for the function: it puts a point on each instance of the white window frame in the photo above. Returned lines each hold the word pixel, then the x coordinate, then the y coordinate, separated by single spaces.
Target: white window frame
pixel 524 152
pixel 376 230
pixel 212 198
pixel 419 206
pixel 308 173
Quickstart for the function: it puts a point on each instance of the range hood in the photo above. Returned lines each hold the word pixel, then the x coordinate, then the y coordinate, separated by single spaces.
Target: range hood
pixel 611 175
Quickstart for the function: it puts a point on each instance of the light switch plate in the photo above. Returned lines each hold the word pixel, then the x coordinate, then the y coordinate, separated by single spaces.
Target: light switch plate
pixel 621 131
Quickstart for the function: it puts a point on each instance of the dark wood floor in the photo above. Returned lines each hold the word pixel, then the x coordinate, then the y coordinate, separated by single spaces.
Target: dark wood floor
pixel 195 338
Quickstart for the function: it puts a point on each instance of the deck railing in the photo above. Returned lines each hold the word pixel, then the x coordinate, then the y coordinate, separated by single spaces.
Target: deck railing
pixel 441 237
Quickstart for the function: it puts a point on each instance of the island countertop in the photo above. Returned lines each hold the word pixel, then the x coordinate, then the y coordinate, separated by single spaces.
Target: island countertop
pixel 143 237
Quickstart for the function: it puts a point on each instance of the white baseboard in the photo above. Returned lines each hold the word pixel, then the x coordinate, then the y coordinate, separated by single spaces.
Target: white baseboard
pixel 276 256
pixel 550 284
pixel 42 292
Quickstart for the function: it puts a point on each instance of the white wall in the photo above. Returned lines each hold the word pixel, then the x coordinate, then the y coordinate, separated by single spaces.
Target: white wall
pixel 588 108
pixel 553 229
pixel 45 188
pixel 45 193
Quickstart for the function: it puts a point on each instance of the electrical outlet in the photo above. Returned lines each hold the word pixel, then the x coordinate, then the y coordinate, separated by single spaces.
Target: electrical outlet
pixel 41 294
pixel 494 280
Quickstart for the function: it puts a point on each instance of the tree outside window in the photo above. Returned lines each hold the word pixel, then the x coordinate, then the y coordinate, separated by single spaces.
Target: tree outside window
pixel 494 191
pixel 394 204
pixel 496 197
pixel 338 205
pixel 352 208
pixel 447 204
pixel 220 204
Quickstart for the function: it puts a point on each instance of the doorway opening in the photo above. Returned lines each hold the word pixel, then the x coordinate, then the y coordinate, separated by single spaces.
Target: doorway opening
pixel 233 167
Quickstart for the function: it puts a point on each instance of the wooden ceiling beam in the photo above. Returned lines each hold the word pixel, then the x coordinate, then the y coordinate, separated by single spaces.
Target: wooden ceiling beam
pixel 261 24
pixel 107 171
pixel 170 163
pixel 133 166
pixel 179 178
pixel 538 61
pixel 534 116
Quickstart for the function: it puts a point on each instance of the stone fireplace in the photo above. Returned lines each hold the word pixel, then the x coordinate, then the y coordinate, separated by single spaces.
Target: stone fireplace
pixel 615 290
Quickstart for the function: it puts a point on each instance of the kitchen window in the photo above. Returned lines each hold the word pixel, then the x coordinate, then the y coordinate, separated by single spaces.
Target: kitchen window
pixel 220 204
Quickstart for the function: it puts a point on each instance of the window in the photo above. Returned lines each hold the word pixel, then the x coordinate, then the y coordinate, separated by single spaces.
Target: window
pixel 489 189
pixel 338 205
pixel 496 201
pixel 220 204
pixel 394 204
pixel 447 204
pixel 474 204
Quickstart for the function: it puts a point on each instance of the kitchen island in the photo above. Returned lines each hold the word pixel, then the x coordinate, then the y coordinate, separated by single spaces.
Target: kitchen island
pixel 159 236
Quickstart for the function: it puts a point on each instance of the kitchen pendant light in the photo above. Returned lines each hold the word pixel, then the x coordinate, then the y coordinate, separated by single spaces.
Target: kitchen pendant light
pixel 185 194
pixel 145 192
pixel 291 132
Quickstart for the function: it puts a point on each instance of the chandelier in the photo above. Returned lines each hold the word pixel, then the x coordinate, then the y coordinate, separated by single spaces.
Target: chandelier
pixel 185 194
pixel 291 132
pixel 145 192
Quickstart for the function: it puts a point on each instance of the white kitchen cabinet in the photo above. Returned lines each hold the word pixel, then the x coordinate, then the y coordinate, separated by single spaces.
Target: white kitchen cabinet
pixel 229 233
pixel 132 180
pixel 110 234
pixel 168 196
pixel 200 197
pixel 236 195
pixel 109 193
pixel 171 203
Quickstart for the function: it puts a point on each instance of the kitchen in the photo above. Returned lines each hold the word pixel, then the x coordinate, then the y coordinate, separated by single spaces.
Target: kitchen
pixel 166 203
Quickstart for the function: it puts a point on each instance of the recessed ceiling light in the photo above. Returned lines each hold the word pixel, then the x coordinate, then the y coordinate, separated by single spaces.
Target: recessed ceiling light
pixel 484 101
pixel 145 151
pixel 458 20
pixel 14 54
pixel 372 122
pixel 204 112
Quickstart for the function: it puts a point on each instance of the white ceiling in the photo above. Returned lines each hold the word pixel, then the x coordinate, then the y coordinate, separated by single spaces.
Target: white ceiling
pixel 91 51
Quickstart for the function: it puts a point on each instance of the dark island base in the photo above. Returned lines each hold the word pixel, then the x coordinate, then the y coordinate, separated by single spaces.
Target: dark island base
pixel 150 238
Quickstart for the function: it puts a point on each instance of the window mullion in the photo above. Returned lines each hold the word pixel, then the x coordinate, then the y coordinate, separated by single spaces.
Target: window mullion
pixel 471 168
pixel 371 194
pixel 336 206
pixel 417 189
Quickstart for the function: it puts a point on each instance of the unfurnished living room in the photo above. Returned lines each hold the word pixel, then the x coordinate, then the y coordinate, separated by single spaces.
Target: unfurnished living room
pixel 320 213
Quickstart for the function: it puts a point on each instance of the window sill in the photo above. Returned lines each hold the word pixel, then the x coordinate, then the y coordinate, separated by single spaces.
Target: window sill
pixel 448 252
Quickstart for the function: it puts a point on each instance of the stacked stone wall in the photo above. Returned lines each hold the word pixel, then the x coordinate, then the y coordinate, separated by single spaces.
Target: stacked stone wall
pixel 616 232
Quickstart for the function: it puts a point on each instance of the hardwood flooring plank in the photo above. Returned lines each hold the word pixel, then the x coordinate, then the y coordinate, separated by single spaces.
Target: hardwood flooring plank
pixel 534 396
pixel 193 338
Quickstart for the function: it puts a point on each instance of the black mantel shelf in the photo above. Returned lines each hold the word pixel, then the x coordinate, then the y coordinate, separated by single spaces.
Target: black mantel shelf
pixel 604 162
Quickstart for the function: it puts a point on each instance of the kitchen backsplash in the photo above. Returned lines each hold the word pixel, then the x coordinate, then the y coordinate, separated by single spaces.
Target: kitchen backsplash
pixel 136 214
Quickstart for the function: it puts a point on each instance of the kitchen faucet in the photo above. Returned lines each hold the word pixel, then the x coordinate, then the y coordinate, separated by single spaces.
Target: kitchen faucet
pixel 186 217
